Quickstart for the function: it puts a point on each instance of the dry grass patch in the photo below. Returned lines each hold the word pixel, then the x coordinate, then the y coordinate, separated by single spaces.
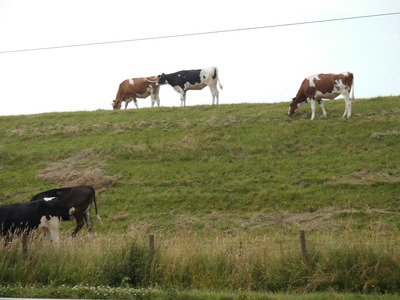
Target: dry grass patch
pixel 185 123
pixel 84 168
pixel 382 134
pixel 46 131
pixel 368 178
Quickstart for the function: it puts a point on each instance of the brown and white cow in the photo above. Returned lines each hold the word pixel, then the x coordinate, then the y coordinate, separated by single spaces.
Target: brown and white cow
pixel 324 86
pixel 133 88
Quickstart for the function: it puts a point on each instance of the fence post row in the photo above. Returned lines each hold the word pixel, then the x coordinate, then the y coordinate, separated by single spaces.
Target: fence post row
pixel 152 253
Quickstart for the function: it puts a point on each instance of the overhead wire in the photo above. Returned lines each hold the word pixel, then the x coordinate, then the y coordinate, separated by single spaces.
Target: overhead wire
pixel 199 33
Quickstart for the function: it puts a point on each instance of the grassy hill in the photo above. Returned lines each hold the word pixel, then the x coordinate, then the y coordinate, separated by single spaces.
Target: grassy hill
pixel 228 167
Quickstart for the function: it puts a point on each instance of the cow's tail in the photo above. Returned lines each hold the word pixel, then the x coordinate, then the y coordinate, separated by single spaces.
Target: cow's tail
pixel 95 206
pixel 219 82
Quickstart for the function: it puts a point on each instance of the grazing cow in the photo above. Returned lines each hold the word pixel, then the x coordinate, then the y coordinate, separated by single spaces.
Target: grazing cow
pixel 133 88
pixel 78 197
pixel 324 86
pixel 23 218
pixel 183 81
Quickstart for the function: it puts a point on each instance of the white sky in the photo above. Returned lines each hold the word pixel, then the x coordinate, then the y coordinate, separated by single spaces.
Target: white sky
pixel 265 65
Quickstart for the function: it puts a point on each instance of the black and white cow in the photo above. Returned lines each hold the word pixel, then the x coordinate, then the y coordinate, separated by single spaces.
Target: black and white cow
pixel 183 81
pixel 78 197
pixel 23 218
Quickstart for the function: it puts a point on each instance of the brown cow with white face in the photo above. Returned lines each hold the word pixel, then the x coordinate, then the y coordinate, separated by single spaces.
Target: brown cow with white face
pixel 324 86
pixel 133 88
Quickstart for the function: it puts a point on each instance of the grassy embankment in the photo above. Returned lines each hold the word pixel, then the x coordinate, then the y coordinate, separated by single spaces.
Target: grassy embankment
pixel 224 189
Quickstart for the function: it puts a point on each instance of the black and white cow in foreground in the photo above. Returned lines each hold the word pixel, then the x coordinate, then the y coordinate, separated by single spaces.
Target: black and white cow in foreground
pixel 183 81
pixel 80 198
pixel 324 86
pixel 23 218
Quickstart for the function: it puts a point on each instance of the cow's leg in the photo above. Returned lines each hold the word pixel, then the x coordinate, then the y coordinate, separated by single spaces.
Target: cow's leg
pixel 347 107
pixel 183 98
pixel 47 235
pixel 154 98
pixel 158 100
pixel 55 233
pixel 89 222
pixel 135 101
pixel 79 224
pixel 313 104
pixel 215 94
pixel 322 105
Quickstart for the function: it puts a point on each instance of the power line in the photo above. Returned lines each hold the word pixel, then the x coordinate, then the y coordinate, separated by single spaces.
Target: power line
pixel 199 33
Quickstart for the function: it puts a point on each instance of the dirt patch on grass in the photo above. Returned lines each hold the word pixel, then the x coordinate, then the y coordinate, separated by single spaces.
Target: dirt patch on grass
pixel 84 168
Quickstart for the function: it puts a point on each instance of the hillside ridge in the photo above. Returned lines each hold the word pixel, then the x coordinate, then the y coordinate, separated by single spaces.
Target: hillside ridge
pixel 162 166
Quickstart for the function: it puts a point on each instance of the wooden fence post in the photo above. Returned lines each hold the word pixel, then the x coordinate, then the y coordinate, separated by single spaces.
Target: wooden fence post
pixel 303 247
pixel 151 246
pixel 24 244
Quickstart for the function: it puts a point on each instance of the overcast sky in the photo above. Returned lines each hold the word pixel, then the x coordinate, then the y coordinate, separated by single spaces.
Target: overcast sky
pixel 255 66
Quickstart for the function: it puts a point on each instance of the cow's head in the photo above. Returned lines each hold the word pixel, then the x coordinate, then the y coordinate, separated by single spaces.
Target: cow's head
pixel 294 105
pixel 116 105
pixel 162 79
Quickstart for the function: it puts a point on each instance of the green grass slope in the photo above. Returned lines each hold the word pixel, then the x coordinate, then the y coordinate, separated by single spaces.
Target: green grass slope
pixel 171 167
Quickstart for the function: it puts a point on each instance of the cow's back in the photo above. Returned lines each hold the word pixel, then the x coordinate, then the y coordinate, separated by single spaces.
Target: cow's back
pixel 70 195
pixel 59 193
pixel 133 87
pixel 182 77
pixel 18 215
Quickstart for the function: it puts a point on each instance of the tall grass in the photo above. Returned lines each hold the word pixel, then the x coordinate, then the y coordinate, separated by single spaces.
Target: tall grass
pixel 262 264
